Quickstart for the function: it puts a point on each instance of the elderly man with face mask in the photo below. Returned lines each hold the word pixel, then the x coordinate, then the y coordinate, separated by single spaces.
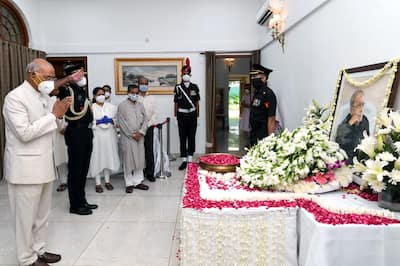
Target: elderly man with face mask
pixel 78 137
pixel 31 122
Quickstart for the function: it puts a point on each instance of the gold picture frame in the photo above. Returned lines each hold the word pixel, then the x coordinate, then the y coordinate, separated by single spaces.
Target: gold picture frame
pixel 163 73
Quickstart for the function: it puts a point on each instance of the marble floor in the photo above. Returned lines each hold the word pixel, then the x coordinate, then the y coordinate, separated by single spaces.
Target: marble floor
pixel 127 229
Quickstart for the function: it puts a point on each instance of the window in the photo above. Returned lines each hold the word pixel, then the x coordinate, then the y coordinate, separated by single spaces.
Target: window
pixel 12 27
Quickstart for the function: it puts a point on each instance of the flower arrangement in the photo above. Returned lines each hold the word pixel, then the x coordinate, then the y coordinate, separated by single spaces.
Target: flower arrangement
pixel 300 161
pixel 379 160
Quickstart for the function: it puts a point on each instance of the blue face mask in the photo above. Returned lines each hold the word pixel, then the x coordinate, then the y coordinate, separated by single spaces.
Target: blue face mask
pixel 133 97
pixel 143 88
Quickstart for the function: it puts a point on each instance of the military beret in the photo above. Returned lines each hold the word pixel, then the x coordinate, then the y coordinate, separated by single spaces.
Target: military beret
pixel 70 68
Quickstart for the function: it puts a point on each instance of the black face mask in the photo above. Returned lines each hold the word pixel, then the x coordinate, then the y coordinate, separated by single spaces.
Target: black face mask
pixel 257 83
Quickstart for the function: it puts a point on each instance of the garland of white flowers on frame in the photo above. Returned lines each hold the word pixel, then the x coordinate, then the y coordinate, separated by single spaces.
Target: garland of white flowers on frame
pixel 392 64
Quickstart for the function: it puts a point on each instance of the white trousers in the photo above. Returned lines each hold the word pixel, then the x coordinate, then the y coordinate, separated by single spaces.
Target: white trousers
pixel 134 179
pixel 62 171
pixel 106 173
pixel 30 207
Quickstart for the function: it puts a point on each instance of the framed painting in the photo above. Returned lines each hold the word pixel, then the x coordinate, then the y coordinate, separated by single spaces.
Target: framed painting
pixel 361 93
pixel 163 73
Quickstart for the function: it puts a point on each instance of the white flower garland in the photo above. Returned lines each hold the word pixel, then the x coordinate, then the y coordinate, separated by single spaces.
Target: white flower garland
pixel 233 194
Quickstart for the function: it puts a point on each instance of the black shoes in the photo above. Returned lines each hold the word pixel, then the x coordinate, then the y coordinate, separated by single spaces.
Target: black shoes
pixel 182 166
pixel 90 206
pixel 81 211
pixel 151 178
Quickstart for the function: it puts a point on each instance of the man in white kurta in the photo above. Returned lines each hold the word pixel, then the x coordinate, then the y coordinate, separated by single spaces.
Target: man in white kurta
pixel 132 120
pixel 30 126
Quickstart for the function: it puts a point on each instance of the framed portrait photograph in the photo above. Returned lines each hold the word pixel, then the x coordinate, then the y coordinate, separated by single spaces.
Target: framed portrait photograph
pixel 361 93
pixel 163 73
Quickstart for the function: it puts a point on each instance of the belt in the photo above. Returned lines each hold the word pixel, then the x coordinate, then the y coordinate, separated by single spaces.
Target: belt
pixel 182 110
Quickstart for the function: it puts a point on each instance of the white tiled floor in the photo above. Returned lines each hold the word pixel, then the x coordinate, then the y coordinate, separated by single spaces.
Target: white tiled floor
pixel 127 229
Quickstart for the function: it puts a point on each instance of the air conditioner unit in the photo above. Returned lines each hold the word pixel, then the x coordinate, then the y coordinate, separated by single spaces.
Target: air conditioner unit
pixel 263 14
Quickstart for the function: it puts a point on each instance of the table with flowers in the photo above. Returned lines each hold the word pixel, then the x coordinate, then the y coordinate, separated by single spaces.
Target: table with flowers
pixel 274 228
pixel 291 202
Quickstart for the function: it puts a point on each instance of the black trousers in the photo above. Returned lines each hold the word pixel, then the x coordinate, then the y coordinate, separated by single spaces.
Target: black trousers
pixel 258 132
pixel 187 125
pixel 149 152
pixel 79 141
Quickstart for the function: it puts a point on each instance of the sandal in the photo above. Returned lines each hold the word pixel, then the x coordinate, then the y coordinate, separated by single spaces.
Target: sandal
pixel 99 189
pixel 109 186
pixel 62 187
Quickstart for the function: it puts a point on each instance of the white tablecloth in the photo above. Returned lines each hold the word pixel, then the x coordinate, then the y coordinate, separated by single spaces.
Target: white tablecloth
pixel 239 237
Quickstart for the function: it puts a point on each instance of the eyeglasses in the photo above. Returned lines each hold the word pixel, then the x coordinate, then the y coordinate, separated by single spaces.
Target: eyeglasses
pixel 360 105
pixel 47 78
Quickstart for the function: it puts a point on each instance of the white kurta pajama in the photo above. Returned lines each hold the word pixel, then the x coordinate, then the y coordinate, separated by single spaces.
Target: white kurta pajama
pixel 131 117
pixel 105 158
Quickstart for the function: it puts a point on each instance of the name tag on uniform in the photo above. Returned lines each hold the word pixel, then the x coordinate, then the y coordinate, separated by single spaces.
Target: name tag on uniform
pixel 256 102
pixel 193 93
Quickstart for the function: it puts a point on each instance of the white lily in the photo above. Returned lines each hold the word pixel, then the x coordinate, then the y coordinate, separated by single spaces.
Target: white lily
pixel 396 120
pixel 386 156
pixel 383 118
pixel 375 169
pixel 367 145
pixel 358 167
pixel 395 176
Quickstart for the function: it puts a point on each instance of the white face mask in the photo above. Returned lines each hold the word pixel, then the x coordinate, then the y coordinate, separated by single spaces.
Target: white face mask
pixel 82 82
pixel 107 94
pixel 186 78
pixel 46 86
pixel 133 97
pixel 247 91
pixel 100 98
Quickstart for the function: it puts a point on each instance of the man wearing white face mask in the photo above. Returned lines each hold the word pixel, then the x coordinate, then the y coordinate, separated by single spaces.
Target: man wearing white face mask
pixel 107 93
pixel 79 139
pixel 30 125
pixel 150 108
pixel 132 119
pixel 186 98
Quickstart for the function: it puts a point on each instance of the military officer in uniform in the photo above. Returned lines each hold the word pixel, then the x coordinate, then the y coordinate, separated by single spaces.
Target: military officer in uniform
pixel 263 105
pixel 78 138
pixel 186 99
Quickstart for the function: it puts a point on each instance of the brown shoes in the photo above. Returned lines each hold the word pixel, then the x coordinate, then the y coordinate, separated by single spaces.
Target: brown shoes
pixel 129 189
pixel 48 257
pixel 109 186
pixel 142 186
pixel 62 187
pixel 99 189
pixel 38 262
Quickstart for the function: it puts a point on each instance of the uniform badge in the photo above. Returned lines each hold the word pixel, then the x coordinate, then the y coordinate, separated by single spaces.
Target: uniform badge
pixel 193 93
pixel 256 102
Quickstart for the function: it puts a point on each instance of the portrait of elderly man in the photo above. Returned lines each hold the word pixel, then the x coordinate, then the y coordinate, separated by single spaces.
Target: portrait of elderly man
pixel 350 131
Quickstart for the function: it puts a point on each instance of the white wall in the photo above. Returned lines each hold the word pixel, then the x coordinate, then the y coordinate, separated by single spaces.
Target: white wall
pixel 340 34
pixel 103 30
pixel 98 26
